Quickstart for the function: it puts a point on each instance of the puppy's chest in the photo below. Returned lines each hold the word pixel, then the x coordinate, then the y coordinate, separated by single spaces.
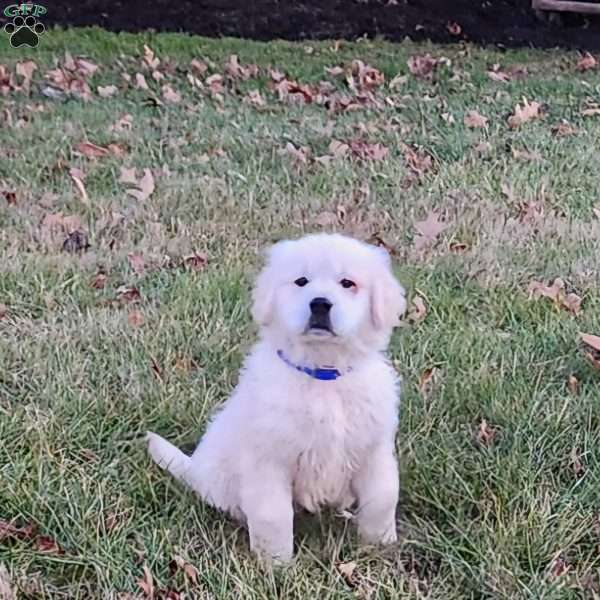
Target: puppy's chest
pixel 337 429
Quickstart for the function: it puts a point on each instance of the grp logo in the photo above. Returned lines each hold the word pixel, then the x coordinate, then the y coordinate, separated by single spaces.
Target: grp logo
pixel 24 29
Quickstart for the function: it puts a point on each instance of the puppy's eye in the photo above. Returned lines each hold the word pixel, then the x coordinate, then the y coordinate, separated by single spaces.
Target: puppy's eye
pixel 347 283
pixel 301 282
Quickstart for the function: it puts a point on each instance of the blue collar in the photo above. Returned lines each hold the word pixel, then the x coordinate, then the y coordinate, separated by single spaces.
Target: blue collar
pixel 320 373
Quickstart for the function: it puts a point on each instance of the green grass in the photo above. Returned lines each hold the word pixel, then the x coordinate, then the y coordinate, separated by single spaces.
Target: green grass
pixel 79 384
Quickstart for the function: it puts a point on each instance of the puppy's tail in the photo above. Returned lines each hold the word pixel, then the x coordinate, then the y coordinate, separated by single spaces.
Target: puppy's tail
pixel 167 456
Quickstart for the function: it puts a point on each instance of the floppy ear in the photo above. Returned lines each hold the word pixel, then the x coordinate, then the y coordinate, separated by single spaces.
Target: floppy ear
pixel 263 294
pixel 388 298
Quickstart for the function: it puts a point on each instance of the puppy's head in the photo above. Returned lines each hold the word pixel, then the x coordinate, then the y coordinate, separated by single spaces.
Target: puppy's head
pixel 329 289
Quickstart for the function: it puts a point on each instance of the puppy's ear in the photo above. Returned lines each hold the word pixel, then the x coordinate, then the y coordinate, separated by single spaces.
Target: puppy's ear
pixel 388 298
pixel 263 295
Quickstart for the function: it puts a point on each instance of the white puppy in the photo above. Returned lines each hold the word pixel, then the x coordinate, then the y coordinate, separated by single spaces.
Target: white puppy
pixel 313 418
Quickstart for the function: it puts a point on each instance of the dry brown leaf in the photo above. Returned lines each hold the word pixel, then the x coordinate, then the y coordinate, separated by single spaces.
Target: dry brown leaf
pixel 576 463
pixel 427 379
pixel 334 71
pixel 128 175
pixel 586 62
pixel 25 70
pixel 418 161
pixel 6 588
pixel 199 67
pixel 593 111
pixel 235 70
pixel 422 66
pixel 215 84
pixel 170 95
pixel 90 150
pixel 137 262
pixel 9 196
pixel 9 530
pixel 348 571
pixel 563 129
pixel 149 59
pixel 558 567
pixel 524 113
pixel 593 341
pixel 254 97
pixel 475 120
pixel 526 155
pixel 513 72
pixel 99 280
pixel 106 91
pixel 78 176
pixel 189 570
pixel 557 293
pixel 143 188
pixel 135 318
pixel 299 155
pixel 125 123
pixel 196 261
pixel 146 584
pixel 368 77
pixel 485 433
pixel 368 151
pixel 573 385
pixel 128 295
pixel 431 227
pixel 47 545
pixel 417 311
pixel 3 311
pixel 140 82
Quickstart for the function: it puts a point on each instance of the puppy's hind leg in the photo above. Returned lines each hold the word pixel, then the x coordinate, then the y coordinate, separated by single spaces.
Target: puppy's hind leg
pixel 167 456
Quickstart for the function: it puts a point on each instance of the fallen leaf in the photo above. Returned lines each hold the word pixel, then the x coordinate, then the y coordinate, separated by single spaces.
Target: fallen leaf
pixel 368 77
pixel 189 570
pixel 25 70
pixel 573 385
pixel 426 379
pixel 144 187
pixel 586 62
pixel 47 545
pixel 398 81
pixel 348 571
pixel 458 247
pixel 593 341
pixel 140 82
pixel 422 66
pixel 576 463
pixel 485 434
pixel 235 70
pixel 128 175
pixel 525 113
pixel 367 151
pixel 77 176
pixel 170 95
pixel 417 160
pixel 128 295
pixel 482 148
pixel 106 91
pixel 526 155
pixel 563 129
pixel 135 318
pixel 300 155
pixel 9 530
pixel 334 71
pixel 137 262
pixel 417 311
pixel 593 111
pixel 215 84
pixel 253 97
pixel 429 229
pixel 474 120
pixel 196 261
pixel 6 588
pixel 3 313
pixel 146 584
pixel 558 567
pixel 199 67
pixel 76 242
pixel 557 293
pixel 99 280
pixel 125 123
pixel 10 197
pixel 149 59
pixel 513 72
pixel 90 150
pixel 338 149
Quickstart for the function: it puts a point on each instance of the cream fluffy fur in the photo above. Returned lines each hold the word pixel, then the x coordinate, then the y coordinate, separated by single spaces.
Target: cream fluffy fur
pixel 285 438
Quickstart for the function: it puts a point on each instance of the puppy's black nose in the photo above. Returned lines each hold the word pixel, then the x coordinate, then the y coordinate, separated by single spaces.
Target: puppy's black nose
pixel 320 307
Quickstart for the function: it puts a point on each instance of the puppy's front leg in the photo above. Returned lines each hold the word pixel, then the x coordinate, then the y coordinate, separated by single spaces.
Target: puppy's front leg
pixel 376 485
pixel 267 505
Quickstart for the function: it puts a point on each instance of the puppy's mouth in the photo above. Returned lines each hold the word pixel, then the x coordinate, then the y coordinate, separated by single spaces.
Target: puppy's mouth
pixel 319 327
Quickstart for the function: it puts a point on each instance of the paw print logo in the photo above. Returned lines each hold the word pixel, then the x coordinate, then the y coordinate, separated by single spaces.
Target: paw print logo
pixel 24 32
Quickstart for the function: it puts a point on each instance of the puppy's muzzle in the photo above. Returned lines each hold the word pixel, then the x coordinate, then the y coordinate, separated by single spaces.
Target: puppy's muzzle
pixel 320 309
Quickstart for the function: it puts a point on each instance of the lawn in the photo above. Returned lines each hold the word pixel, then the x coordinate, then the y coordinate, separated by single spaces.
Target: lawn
pixel 124 299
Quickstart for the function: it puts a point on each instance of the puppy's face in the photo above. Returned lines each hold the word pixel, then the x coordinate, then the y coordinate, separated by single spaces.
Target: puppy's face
pixel 328 289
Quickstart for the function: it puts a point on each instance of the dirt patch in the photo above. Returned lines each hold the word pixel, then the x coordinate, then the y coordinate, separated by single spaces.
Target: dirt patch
pixel 508 23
